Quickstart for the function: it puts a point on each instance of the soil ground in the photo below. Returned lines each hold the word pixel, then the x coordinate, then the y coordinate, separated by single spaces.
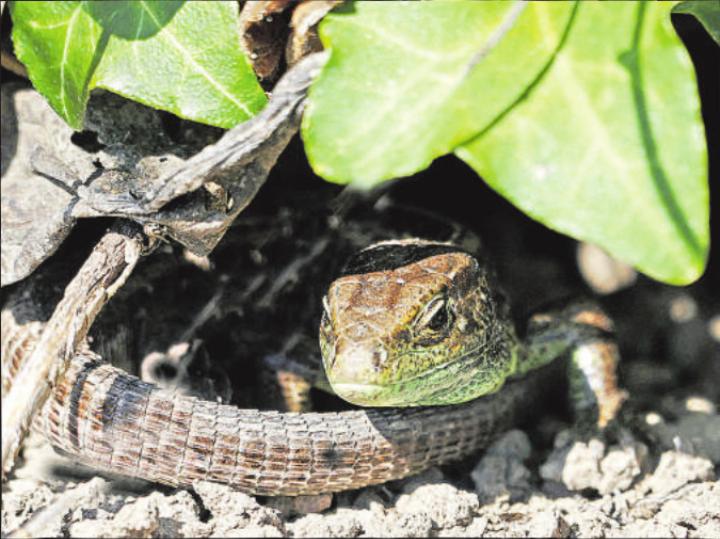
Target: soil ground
pixel 632 488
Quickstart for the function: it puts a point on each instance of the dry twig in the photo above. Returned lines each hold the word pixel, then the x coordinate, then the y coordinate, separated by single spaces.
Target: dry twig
pixel 103 273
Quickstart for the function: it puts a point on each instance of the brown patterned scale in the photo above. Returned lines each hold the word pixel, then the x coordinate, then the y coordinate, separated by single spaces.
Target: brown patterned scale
pixel 113 421
pixel 103 416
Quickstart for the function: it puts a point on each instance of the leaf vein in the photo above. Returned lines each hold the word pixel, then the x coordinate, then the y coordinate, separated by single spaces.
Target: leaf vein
pixel 63 60
pixel 165 32
pixel 406 46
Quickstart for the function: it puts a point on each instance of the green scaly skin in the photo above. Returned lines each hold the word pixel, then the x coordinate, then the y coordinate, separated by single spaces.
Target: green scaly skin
pixel 436 331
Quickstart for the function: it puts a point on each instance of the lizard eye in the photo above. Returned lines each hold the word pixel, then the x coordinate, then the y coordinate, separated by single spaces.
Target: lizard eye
pixel 439 320
pixel 435 317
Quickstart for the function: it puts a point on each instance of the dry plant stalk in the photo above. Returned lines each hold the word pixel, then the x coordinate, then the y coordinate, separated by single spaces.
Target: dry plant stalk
pixel 101 275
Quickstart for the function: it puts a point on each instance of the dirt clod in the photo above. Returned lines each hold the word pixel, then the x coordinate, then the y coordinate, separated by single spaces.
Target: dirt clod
pixel 678 469
pixel 580 465
pixel 445 504
pixel 502 472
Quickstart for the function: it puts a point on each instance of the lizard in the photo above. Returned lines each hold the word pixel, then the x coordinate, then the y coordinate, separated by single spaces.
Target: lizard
pixel 416 328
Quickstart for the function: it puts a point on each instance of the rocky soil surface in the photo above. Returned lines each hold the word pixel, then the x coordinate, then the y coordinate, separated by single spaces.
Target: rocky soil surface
pixel 653 475
pixel 657 480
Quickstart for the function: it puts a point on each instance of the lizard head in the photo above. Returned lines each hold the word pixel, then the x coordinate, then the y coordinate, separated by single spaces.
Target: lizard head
pixel 413 322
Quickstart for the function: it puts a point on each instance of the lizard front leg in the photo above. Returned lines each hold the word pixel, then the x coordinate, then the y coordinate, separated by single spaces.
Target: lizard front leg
pixel 584 332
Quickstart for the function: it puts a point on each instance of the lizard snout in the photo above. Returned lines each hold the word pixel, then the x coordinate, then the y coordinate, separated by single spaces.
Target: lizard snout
pixel 356 372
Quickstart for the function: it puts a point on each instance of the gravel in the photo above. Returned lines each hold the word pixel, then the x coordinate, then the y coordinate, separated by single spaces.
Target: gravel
pixel 580 487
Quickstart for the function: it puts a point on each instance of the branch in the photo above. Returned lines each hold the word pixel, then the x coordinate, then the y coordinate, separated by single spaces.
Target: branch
pixel 103 273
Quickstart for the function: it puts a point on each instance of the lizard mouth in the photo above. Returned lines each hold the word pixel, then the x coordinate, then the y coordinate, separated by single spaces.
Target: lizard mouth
pixel 384 395
pixel 359 394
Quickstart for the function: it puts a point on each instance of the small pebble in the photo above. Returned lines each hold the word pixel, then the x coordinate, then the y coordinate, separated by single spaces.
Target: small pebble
pixel 714 327
pixel 683 308
pixel 601 272
pixel 700 405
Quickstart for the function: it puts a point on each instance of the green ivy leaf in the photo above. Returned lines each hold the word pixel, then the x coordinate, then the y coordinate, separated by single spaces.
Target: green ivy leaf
pixel 181 57
pixel 707 12
pixel 609 145
pixel 584 115
pixel 408 81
